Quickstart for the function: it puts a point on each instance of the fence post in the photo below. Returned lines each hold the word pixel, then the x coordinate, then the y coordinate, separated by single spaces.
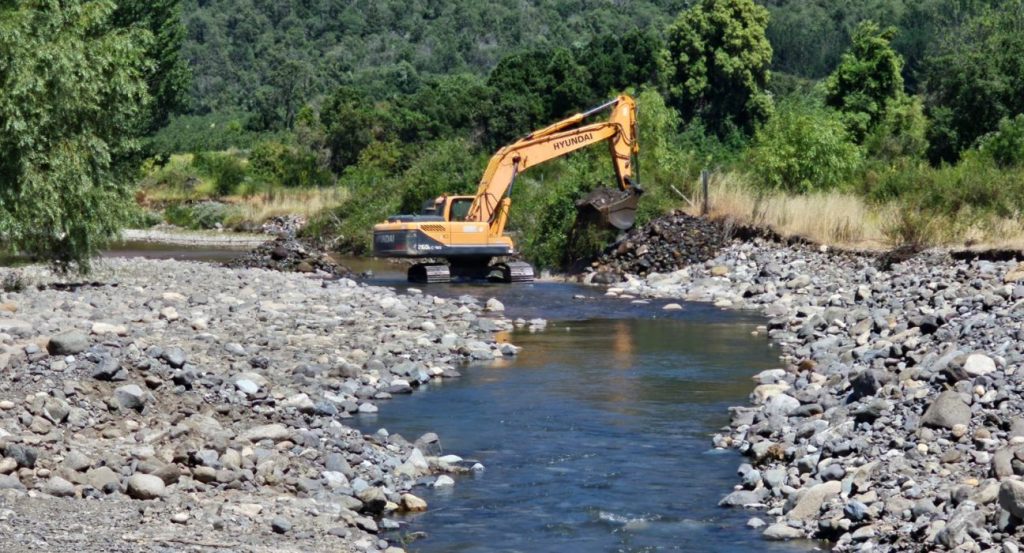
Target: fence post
pixel 704 189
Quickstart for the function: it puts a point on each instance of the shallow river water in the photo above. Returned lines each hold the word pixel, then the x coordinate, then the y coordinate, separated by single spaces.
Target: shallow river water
pixel 596 438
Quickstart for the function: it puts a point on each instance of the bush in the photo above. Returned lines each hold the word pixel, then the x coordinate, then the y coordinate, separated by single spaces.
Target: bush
pixel 803 148
pixel 13 281
pixel 194 133
pixel 226 169
pixel 205 215
pixel 1005 146
pixel 976 184
pixel 289 166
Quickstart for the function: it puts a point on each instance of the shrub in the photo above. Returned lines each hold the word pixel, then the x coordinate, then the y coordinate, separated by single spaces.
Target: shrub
pixel 205 215
pixel 803 148
pixel 1005 146
pixel 226 169
pixel 290 166
pixel 12 281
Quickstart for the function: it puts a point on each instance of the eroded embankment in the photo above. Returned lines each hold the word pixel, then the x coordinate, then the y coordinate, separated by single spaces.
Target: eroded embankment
pixel 175 404
pixel 896 422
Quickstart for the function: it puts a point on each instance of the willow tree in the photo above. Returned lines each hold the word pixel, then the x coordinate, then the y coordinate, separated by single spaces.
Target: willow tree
pixel 72 90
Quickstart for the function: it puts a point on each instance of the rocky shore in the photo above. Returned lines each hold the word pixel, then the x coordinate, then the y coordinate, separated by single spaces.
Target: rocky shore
pixel 897 421
pixel 176 406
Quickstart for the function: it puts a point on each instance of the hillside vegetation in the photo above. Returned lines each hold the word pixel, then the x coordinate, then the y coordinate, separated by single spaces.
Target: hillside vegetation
pixel 909 110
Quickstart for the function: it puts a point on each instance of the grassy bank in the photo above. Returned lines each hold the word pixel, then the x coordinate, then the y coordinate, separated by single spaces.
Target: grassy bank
pixel 852 221
pixel 226 189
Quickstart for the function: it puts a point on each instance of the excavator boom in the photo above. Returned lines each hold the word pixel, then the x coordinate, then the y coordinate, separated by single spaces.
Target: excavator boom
pixel 555 141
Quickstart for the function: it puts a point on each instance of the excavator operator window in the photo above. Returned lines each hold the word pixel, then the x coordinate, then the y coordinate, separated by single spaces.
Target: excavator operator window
pixel 431 207
pixel 460 208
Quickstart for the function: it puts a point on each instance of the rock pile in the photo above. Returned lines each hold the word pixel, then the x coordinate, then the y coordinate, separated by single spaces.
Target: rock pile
pixel 897 422
pixel 187 406
pixel 283 225
pixel 290 255
pixel 663 245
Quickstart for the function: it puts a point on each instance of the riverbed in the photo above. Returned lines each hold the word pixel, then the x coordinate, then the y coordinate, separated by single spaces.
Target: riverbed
pixel 595 438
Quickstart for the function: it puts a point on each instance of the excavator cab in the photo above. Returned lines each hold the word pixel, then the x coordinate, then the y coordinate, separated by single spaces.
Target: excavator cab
pixel 448 208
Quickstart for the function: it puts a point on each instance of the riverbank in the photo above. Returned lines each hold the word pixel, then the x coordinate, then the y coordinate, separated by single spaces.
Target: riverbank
pixel 195 238
pixel 170 404
pixel 896 423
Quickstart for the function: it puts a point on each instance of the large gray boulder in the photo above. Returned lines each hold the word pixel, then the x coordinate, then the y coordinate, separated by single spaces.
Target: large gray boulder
pixel 1011 497
pixel 145 486
pixel 809 501
pixel 947 411
pixel 68 343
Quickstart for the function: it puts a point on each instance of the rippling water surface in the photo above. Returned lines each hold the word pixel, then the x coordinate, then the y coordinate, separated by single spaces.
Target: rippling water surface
pixel 597 437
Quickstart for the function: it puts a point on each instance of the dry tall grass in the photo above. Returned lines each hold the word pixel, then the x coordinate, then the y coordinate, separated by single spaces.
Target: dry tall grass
pixel 304 202
pixel 848 221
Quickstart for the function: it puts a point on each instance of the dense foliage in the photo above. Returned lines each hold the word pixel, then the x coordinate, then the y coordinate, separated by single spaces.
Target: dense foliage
pixel 717 64
pixel 917 101
pixel 72 95
pixel 268 57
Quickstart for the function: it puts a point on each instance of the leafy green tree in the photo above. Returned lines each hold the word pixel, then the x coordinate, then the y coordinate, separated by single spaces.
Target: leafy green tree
pixel 803 148
pixel 519 103
pixel 717 64
pixel 448 106
pixel 868 80
pixel 72 92
pixel 168 76
pixel 974 81
pixel 902 135
pixel 616 62
pixel 350 126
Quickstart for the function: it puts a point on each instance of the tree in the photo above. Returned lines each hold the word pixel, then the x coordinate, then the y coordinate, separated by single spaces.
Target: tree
pixel 803 148
pixel 615 62
pixel 717 64
pixel 974 81
pixel 868 80
pixel 168 77
pixel 72 92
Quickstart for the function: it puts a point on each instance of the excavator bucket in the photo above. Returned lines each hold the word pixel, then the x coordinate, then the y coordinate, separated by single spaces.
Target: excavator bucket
pixel 611 207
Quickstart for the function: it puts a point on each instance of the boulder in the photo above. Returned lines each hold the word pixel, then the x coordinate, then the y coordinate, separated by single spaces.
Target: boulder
pixel 979 364
pixel 809 501
pixel 145 486
pixel 68 343
pixel 947 411
pixel 275 432
pixel 1011 497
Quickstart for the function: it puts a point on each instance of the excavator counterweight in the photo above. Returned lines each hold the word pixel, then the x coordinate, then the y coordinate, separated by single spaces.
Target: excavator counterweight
pixel 468 232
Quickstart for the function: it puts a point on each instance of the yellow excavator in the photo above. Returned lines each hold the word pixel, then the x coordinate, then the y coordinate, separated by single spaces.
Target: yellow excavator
pixel 468 232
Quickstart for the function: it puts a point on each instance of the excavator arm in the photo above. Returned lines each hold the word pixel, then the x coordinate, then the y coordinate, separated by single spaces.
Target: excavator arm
pixel 490 205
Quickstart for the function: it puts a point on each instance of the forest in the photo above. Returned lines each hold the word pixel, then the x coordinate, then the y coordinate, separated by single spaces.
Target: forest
pixel 905 117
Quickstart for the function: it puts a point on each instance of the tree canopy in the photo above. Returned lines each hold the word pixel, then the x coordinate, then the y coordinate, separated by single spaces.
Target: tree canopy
pixel 717 64
pixel 867 81
pixel 72 93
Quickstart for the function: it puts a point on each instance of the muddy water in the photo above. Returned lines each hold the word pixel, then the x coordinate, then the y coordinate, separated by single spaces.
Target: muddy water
pixel 596 438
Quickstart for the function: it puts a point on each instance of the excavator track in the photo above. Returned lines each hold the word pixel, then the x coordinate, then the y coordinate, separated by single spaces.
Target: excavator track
pixel 429 273
pixel 512 271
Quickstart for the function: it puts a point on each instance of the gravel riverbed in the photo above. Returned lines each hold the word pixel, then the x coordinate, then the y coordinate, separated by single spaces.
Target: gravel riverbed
pixel 178 406
pixel 897 420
